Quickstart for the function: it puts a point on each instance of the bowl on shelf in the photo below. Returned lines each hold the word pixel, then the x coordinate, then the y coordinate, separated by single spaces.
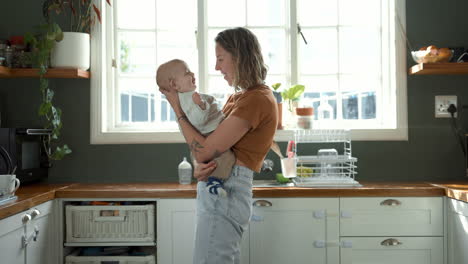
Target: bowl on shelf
pixel 432 54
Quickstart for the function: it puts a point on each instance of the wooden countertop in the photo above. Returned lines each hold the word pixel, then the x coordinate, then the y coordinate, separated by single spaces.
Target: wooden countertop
pixel 457 191
pixel 368 189
pixel 174 190
pixel 125 190
pixel 31 195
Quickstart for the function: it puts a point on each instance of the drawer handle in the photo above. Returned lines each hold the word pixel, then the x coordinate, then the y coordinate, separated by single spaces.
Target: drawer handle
pixel 256 218
pixel 26 218
pixel 390 202
pixel 262 203
pixel 391 242
pixel 110 219
pixel 35 213
pixel 108 216
pixel 324 244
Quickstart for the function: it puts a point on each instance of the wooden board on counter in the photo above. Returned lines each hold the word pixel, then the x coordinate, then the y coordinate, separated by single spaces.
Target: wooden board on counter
pixel 6 72
pixel 448 68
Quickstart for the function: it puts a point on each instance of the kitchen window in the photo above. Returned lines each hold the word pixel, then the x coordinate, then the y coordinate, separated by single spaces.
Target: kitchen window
pixel 351 57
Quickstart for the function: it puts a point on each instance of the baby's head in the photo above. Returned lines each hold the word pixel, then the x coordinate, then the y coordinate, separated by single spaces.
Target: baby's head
pixel 175 74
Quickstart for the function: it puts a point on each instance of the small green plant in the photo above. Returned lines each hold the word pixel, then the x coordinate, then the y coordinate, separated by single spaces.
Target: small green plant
pixel 276 86
pixel 276 93
pixel 42 44
pixel 292 94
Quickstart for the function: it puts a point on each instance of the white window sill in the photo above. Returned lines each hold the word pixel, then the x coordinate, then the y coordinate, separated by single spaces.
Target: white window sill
pixel 281 136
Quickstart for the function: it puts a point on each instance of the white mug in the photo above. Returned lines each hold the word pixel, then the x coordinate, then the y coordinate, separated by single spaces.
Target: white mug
pixel 8 184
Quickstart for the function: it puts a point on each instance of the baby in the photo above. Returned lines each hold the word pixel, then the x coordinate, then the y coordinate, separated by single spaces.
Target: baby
pixel 202 111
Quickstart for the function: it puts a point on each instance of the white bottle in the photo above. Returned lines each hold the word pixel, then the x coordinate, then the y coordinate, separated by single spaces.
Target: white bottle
pixel 325 111
pixel 185 172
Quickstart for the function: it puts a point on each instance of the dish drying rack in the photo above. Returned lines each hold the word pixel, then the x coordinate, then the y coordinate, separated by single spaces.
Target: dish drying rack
pixel 325 171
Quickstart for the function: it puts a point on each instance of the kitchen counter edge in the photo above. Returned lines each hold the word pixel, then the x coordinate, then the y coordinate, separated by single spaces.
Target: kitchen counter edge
pixel 32 195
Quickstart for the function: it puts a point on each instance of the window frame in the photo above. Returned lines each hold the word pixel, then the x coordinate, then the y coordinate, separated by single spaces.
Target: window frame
pixel 102 72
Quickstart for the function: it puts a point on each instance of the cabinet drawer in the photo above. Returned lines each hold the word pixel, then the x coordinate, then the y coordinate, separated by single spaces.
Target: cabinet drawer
pixel 391 216
pixel 119 223
pixel 391 250
pixel 16 221
pixel 109 259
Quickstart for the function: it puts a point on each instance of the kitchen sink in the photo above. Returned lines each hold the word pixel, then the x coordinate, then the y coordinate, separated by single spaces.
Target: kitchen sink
pixel 271 183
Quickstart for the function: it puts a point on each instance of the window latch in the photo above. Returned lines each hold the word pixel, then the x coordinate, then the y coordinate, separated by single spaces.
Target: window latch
pixel 299 30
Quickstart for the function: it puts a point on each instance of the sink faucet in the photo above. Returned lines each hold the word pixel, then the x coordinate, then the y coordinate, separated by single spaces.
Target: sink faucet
pixel 267 165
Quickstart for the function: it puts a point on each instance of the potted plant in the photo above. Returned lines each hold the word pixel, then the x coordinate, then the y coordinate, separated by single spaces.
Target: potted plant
pixel 42 44
pixel 279 100
pixel 74 50
pixel 292 95
pixel 276 93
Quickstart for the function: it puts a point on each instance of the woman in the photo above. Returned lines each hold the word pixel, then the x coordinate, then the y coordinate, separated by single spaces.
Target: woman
pixel 248 129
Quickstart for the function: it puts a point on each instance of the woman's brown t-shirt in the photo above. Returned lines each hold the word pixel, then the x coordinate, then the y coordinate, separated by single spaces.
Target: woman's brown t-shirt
pixel 258 106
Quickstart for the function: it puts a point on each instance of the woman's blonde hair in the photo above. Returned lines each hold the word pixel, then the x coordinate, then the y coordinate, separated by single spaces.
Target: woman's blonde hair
pixel 245 49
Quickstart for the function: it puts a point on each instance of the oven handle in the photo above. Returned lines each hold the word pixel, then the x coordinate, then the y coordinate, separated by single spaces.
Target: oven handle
pixel 38 131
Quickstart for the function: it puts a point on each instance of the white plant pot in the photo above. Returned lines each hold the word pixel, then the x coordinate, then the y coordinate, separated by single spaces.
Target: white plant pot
pixel 72 52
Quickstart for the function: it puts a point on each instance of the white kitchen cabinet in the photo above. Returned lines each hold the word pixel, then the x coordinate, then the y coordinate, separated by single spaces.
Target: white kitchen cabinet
pixel 391 250
pixel 11 233
pixel 27 237
pixel 176 232
pixel 457 231
pixel 43 227
pixel 404 230
pixel 319 230
pixel 295 230
pixel 392 216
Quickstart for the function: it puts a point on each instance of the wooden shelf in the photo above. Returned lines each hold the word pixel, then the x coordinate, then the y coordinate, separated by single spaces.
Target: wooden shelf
pixel 448 68
pixel 6 72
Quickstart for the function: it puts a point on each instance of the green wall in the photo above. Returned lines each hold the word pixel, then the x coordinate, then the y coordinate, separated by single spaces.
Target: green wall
pixel 431 153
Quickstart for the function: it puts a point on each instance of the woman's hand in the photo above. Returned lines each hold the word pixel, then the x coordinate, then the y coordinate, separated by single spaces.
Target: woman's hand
pixel 173 99
pixel 203 170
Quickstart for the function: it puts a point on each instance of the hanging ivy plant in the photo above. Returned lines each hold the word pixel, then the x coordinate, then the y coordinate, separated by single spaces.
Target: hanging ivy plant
pixel 42 44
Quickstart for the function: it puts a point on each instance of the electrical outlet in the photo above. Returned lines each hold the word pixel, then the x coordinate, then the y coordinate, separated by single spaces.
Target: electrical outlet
pixel 442 103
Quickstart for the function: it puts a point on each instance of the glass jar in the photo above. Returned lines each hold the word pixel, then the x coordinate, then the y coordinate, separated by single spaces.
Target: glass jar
pixel 304 117
pixel 25 59
pixel 305 122
pixel 16 57
pixel 2 51
pixel 8 56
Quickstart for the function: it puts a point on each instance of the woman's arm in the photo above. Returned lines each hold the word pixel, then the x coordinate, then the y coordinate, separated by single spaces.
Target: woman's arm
pixel 223 138
pixel 205 149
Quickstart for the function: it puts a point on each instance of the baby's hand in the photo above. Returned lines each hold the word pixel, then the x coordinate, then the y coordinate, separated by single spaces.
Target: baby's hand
pixel 197 100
